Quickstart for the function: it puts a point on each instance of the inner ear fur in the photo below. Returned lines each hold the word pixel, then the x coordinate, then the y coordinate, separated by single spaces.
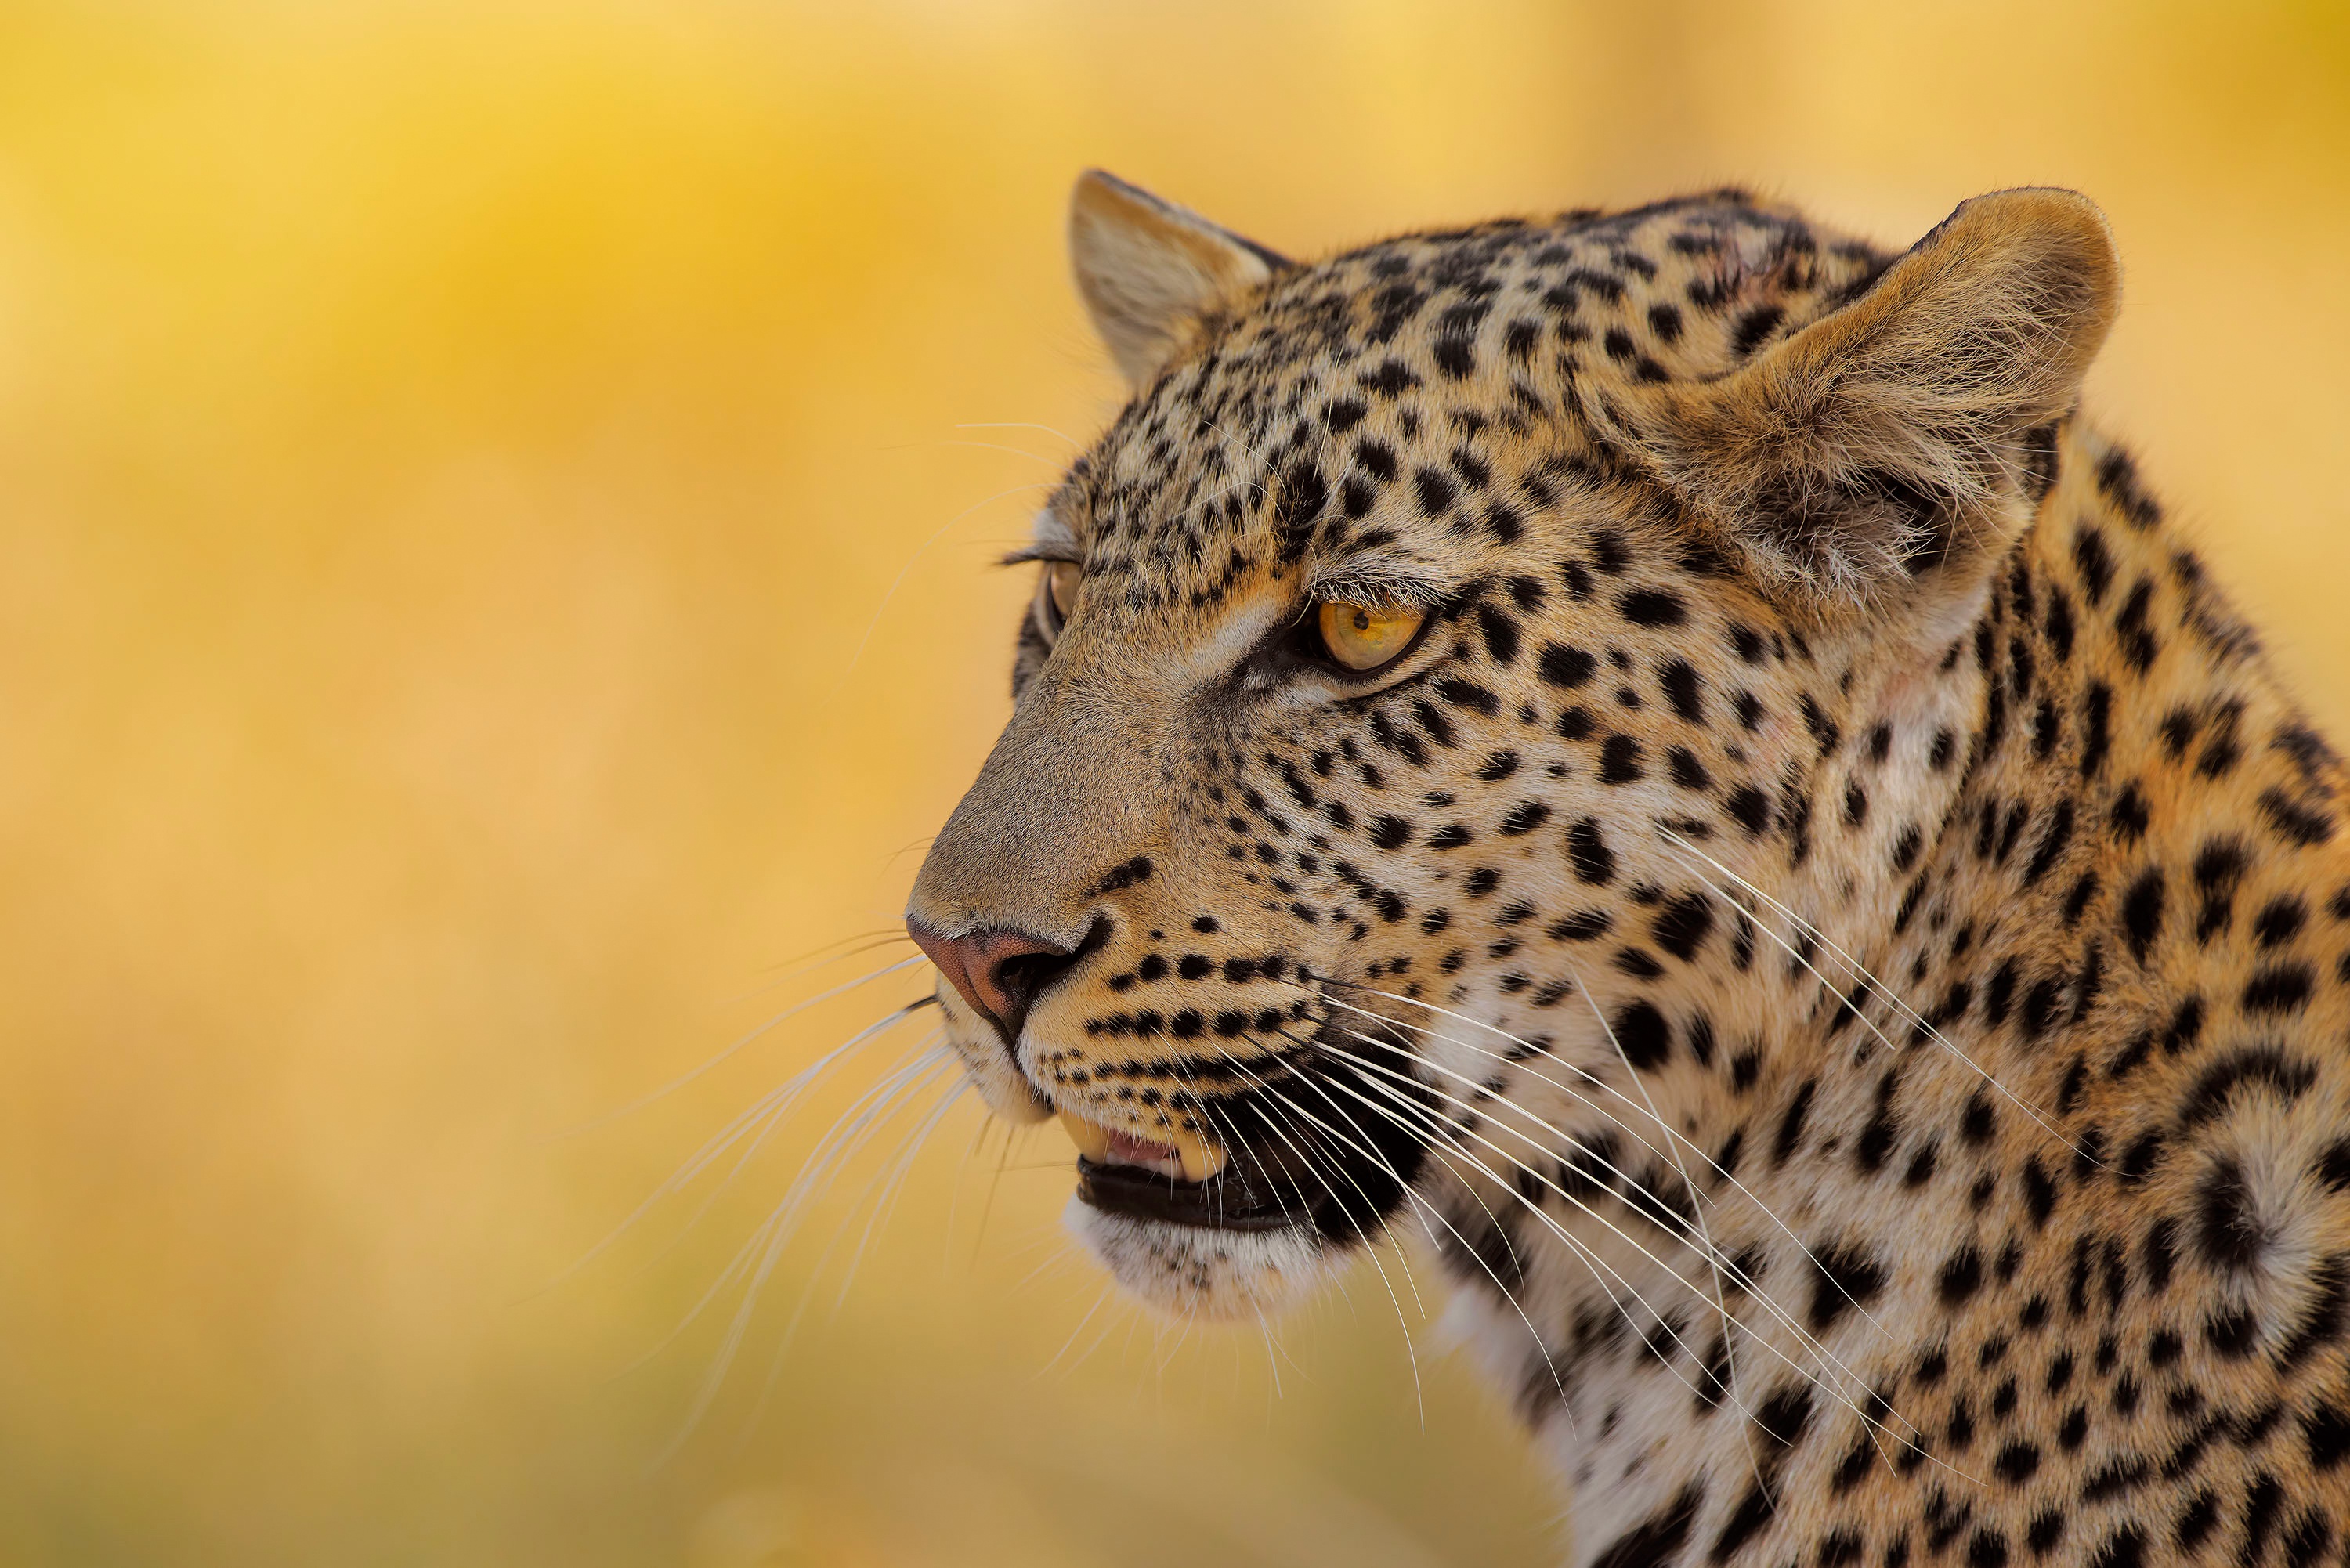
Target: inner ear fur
pixel 1151 272
pixel 1908 429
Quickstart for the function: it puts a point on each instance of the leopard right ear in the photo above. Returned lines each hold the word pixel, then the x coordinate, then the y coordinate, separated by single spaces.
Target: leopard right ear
pixel 1152 274
pixel 1912 429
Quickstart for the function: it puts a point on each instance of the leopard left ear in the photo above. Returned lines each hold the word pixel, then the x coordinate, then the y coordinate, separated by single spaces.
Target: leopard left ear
pixel 1151 272
pixel 1909 429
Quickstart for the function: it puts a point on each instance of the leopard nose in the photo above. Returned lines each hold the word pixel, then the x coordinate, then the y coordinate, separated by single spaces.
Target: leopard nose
pixel 1001 973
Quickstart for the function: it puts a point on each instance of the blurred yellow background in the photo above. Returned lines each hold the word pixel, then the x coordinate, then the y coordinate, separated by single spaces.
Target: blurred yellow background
pixel 496 506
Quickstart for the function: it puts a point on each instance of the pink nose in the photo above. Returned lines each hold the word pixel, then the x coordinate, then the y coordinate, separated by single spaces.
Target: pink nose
pixel 1000 974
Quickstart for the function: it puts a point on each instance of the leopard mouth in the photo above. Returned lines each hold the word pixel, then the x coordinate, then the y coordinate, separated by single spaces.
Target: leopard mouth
pixel 1187 1180
pixel 1199 1184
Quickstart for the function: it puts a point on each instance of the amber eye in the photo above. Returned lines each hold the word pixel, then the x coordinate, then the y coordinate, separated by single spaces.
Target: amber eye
pixel 1057 596
pixel 1363 636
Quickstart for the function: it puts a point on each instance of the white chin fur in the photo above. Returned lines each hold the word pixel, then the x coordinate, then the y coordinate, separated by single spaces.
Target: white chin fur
pixel 1193 1271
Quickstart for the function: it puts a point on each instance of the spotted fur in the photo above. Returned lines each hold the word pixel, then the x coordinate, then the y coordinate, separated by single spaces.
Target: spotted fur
pixel 1835 939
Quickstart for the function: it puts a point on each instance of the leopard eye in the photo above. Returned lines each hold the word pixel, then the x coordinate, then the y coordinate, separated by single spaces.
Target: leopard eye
pixel 1056 595
pixel 1363 636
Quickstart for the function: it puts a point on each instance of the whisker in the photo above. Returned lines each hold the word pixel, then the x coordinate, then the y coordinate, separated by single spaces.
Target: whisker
pixel 1381 1160
pixel 1411 1354
pixel 1054 463
pixel 1661 1217
pixel 1857 969
pixel 768 1242
pixel 608 1117
pixel 1744 1191
pixel 1711 1251
pixel 1108 1291
pixel 1591 1259
pixel 769 1108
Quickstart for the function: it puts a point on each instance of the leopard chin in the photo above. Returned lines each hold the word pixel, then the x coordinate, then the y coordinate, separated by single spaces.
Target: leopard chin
pixel 1192 1271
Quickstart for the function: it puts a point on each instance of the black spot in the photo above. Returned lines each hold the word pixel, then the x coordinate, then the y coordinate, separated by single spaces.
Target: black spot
pixel 1751 808
pixel 1688 771
pixel 2288 1077
pixel 1753 327
pixel 2294 823
pixel 1650 607
pixel 1962 1276
pixel 2125 1548
pixel 1501 634
pixel 1643 1036
pixel 1304 493
pixel 1466 694
pixel 1568 667
pixel 1588 854
pixel 1523 818
pixel 2142 911
pixel 2326 1429
pixel 1656 1540
pixel 2333 1165
pixel 1845 1277
pixel 1436 491
pixel 2227 1227
pixel 1685 688
pixel 2279 988
pixel 1791 1125
pixel 1620 760
pixel 2096 564
pixel 1682 925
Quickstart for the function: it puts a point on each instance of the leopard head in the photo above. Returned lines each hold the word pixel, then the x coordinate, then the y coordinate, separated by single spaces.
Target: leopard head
pixel 1432 659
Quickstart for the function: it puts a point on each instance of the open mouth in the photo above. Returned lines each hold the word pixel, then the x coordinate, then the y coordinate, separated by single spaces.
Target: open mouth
pixel 1190 1181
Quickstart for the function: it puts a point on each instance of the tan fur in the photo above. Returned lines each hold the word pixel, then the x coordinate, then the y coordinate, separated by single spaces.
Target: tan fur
pixel 1832 939
pixel 1150 272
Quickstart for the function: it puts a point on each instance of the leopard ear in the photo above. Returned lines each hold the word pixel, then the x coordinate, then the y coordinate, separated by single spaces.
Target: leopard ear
pixel 1910 430
pixel 1151 272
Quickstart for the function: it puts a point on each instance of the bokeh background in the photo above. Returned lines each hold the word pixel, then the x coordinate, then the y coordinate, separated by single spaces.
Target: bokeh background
pixel 496 504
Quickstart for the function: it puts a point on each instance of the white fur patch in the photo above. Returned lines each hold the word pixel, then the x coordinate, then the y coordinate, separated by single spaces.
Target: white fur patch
pixel 1192 1271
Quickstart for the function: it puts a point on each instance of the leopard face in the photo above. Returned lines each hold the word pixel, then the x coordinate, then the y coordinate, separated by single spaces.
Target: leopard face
pixel 1433 666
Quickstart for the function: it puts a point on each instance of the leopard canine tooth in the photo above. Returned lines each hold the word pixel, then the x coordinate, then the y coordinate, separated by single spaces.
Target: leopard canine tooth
pixel 1201 1159
pixel 1092 1138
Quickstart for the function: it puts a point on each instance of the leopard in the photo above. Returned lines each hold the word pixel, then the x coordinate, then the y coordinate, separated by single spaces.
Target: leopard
pixel 1659 762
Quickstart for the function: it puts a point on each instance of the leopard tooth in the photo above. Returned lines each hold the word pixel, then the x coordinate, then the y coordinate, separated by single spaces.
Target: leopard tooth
pixel 1092 1138
pixel 1201 1159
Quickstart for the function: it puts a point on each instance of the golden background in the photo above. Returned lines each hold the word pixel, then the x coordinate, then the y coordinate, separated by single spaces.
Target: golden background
pixel 496 505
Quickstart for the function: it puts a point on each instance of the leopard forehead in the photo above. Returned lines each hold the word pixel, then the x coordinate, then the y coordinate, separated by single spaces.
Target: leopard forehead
pixel 1414 399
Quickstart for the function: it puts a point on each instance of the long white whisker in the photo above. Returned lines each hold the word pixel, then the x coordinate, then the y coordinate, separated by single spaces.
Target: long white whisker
pixel 1017 425
pixel 1711 1251
pixel 768 1242
pixel 1803 1338
pixel 770 1108
pixel 608 1117
pixel 1861 972
pixel 1381 1160
pixel 1591 1259
pixel 1742 1189
pixel 1411 1354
